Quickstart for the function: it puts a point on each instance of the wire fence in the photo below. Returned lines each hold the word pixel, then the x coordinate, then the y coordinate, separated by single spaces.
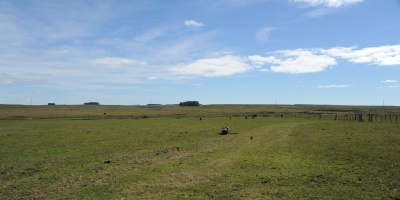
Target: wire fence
pixel 392 118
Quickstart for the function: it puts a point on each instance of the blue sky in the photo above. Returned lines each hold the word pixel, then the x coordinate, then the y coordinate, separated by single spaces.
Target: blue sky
pixel 129 52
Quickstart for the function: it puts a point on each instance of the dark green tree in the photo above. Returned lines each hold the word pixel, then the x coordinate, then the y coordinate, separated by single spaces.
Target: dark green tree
pixel 189 103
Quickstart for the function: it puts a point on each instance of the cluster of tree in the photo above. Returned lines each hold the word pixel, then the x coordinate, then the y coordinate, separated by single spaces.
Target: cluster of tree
pixel 189 103
pixel 91 103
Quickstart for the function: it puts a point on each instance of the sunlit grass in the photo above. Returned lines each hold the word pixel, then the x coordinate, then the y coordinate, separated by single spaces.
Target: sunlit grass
pixel 171 158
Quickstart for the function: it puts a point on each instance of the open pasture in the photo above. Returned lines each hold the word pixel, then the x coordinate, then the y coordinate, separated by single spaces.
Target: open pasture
pixel 118 112
pixel 174 155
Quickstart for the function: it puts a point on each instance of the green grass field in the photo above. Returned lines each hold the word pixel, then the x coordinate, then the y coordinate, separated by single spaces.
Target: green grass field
pixel 80 153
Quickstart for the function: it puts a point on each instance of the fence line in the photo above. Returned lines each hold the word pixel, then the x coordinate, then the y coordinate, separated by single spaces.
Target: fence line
pixel 355 117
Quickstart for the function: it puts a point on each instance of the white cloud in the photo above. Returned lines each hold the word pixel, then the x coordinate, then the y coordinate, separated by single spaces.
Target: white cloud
pixel 214 67
pixel 263 34
pixel 382 55
pixel 315 60
pixel 294 61
pixel 334 86
pixel 328 3
pixel 301 61
pixel 193 23
pixel 259 61
pixel 389 81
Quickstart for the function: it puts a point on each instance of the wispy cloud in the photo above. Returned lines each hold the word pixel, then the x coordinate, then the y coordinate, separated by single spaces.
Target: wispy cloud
pixel 388 84
pixel 58 52
pixel 263 34
pixel 185 48
pixel 116 62
pixel 319 12
pixel 324 7
pixel 191 54
pixel 236 3
pixel 389 81
pixel 213 67
pixel 327 3
pixel 334 86
pixel 6 79
pixel 193 23
pixel 150 35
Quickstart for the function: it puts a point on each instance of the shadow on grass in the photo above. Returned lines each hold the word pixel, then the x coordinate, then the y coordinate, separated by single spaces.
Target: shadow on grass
pixel 229 133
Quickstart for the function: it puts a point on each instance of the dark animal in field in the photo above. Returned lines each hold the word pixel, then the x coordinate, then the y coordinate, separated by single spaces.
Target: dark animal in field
pixel 251 137
pixel 225 130
pixel 144 117
pixel 201 118
pixel 254 116
pixel 105 113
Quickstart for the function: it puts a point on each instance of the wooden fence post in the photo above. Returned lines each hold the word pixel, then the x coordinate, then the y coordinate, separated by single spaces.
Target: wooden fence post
pixel 360 119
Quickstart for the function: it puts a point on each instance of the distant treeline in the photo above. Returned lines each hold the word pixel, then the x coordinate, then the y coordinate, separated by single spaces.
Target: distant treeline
pixel 92 103
pixel 189 103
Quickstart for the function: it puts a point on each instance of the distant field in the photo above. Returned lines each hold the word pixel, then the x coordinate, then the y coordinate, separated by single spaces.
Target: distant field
pixel 108 112
pixel 75 152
